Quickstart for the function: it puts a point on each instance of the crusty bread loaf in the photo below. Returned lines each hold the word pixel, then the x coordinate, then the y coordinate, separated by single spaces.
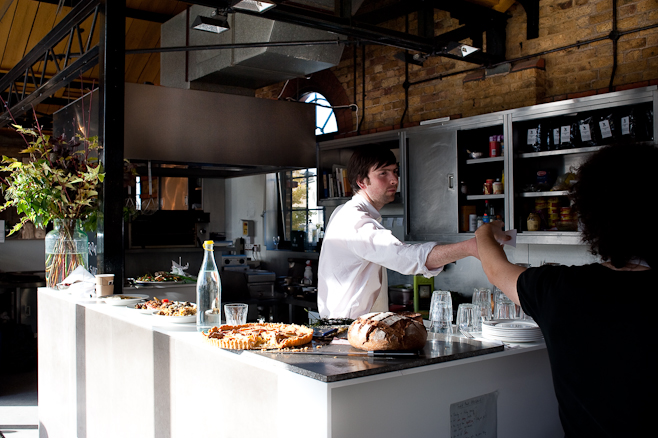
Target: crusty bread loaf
pixel 386 331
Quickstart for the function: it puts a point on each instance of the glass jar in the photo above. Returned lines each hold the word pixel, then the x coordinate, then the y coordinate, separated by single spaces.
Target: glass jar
pixel 67 247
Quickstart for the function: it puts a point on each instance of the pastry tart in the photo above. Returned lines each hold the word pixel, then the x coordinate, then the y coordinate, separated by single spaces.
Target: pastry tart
pixel 257 336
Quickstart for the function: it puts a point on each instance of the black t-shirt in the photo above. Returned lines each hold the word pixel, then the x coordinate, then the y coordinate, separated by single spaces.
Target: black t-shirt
pixel 600 331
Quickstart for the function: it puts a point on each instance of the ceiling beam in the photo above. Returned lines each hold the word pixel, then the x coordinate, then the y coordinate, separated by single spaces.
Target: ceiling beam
pixel 137 14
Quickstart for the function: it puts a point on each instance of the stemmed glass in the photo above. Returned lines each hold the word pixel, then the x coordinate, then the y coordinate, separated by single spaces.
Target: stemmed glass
pixel 276 240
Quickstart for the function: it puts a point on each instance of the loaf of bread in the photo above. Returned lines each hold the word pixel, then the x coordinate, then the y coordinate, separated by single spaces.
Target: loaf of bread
pixel 386 331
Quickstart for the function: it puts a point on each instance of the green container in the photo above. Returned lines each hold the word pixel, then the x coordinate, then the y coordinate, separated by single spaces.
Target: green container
pixel 423 288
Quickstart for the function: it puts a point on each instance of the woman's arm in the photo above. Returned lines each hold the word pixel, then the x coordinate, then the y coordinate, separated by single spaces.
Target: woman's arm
pixel 498 269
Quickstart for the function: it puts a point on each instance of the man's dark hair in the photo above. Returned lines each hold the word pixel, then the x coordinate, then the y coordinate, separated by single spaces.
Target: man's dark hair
pixel 613 196
pixel 363 159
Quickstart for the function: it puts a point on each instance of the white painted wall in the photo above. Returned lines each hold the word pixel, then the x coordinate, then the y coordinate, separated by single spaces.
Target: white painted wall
pixel 245 199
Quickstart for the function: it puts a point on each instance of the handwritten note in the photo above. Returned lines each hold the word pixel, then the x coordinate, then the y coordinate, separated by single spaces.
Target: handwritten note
pixel 475 417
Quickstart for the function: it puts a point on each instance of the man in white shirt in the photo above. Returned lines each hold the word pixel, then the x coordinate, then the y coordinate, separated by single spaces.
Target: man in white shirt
pixel 357 249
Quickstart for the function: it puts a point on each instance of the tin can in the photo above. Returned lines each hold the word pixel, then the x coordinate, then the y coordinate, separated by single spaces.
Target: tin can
pixel 493 149
pixel 488 187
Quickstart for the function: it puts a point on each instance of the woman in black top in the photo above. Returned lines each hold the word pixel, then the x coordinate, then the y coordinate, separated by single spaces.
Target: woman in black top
pixel 597 320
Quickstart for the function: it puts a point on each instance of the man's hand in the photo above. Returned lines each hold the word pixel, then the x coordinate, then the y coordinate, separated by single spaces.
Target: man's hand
pixel 496 229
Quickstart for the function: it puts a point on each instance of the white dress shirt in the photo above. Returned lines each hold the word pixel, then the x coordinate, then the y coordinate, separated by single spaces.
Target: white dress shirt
pixel 355 252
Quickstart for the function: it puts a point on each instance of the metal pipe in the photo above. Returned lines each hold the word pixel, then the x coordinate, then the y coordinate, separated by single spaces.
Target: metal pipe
pixel 237 46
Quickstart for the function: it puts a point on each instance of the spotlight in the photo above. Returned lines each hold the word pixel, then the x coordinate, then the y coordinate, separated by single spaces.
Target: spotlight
pixel 415 59
pixel 218 23
pixel 251 5
pixel 458 49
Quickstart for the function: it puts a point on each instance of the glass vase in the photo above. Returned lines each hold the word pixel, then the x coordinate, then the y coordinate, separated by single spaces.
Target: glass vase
pixel 67 247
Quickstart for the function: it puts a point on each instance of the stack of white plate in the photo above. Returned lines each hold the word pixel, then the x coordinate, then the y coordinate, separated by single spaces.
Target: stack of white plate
pixel 511 330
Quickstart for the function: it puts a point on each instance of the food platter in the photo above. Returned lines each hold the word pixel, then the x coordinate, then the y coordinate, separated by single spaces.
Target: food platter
pixel 159 282
pixel 159 278
pixel 123 299
pixel 144 311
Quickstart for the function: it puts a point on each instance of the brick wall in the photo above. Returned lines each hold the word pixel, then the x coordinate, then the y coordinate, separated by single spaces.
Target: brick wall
pixel 575 72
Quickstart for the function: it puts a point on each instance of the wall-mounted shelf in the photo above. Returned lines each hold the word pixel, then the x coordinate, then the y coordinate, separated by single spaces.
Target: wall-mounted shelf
pixel 484 160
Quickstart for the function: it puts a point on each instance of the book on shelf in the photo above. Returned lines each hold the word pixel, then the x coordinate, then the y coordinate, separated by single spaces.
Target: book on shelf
pixel 343 188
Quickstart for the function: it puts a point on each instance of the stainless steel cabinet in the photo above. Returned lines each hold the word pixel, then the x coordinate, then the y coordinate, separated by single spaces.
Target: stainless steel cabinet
pixel 435 161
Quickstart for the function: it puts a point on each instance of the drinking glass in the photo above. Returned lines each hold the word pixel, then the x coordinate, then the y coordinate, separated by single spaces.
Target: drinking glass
pixel 276 240
pixel 441 312
pixel 504 309
pixel 482 297
pixel 469 318
pixel 236 314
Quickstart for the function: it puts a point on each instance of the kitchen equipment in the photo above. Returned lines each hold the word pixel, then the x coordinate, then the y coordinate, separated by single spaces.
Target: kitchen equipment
pixel 239 285
pixel 423 288
pixel 402 294
pixel 297 239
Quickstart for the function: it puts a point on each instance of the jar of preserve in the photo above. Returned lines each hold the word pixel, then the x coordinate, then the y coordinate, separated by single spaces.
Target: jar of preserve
pixel 497 187
pixel 533 222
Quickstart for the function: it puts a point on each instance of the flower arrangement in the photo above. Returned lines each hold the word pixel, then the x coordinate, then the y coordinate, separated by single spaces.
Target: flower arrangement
pixel 59 182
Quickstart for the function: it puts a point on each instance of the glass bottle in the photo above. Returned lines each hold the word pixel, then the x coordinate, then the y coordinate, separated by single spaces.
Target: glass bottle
pixel 208 291
pixel 67 247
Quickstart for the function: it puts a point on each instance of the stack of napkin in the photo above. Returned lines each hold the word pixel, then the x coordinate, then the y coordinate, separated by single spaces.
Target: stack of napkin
pixel 80 284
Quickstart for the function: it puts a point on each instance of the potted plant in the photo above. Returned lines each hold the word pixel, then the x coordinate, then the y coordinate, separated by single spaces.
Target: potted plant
pixel 58 183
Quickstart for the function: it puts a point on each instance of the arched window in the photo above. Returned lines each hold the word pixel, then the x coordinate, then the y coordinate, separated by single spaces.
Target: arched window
pixel 325 119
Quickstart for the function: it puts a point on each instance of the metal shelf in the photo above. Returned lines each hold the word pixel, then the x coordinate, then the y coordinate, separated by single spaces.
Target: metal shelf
pixel 484 160
pixel 560 152
pixel 543 194
pixel 480 197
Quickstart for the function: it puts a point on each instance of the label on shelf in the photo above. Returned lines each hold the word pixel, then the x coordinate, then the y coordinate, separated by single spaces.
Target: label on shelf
pixel 625 125
pixel 565 134
pixel 606 132
pixel 556 136
pixel 532 137
pixel 585 134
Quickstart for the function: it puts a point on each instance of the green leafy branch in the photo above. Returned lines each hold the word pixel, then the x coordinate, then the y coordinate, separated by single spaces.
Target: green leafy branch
pixel 59 180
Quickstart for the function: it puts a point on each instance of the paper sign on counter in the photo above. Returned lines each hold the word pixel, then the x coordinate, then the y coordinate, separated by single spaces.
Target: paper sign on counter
pixel 475 417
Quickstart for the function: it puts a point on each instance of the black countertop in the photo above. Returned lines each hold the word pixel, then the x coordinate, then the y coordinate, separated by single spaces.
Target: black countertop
pixel 328 368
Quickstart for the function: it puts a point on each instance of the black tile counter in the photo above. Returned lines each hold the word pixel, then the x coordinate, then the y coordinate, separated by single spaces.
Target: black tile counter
pixel 327 368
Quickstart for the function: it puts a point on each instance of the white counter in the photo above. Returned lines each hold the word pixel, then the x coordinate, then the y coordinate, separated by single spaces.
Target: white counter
pixel 105 371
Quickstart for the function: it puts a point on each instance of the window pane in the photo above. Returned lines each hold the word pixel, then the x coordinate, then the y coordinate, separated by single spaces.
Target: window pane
pixel 325 119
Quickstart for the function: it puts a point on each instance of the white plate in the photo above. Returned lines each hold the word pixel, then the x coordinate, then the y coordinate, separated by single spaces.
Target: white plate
pixel 160 282
pixel 145 311
pixel 117 300
pixel 517 325
pixel 163 319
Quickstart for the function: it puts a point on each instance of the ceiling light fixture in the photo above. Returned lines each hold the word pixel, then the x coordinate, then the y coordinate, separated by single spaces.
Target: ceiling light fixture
pixel 251 5
pixel 458 49
pixel 217 23
pixel 415 59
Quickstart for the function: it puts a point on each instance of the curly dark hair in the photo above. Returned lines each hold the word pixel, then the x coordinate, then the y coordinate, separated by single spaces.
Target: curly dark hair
pixel 363 159
pixel 613 189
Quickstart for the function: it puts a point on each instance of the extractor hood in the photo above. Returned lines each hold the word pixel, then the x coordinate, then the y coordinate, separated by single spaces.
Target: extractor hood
pixel 241 70
pixel 211 134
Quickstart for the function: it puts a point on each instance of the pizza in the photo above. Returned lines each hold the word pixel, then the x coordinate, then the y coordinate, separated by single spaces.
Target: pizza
pixel 259 336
